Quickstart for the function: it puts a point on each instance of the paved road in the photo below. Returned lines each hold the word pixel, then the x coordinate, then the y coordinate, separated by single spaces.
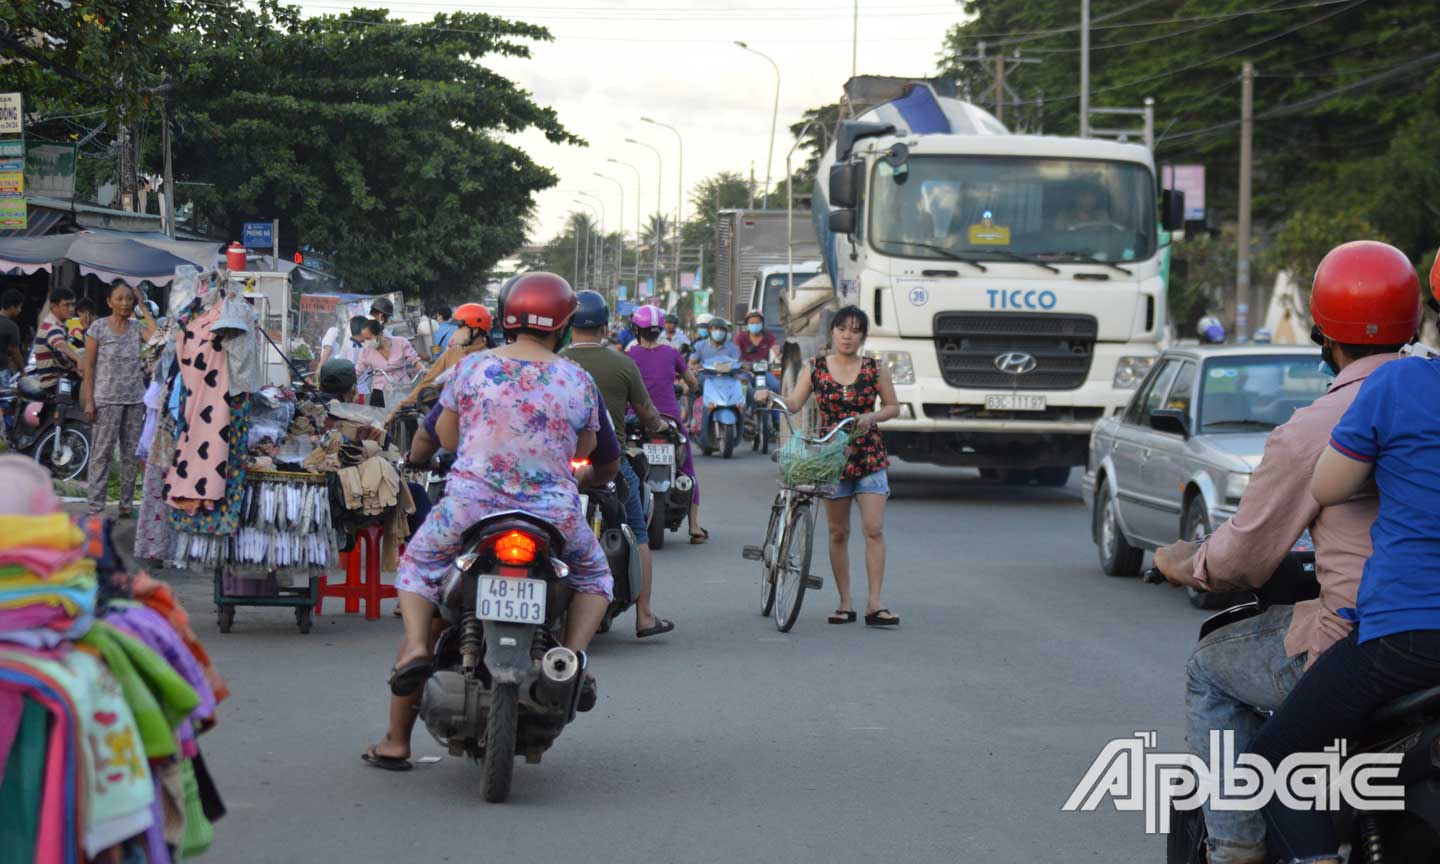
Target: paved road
pixel 955 738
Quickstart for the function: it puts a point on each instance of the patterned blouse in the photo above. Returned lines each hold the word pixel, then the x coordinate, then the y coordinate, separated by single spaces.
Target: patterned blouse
pixel 838 402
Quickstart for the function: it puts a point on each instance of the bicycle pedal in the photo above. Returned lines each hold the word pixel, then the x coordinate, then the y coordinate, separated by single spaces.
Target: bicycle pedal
pixel 814 582
pixel 753 553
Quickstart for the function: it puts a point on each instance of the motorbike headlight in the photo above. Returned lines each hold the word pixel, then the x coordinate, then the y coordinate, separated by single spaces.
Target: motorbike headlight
pixel 902 371
pixel 1130 371
pixel 1235 484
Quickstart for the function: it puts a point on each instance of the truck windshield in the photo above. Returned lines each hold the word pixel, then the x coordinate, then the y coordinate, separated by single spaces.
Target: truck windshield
pixel 1001 207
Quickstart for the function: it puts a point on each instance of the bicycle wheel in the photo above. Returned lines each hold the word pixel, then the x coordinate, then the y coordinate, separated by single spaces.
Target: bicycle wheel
pixel 768 553
pixel 793 565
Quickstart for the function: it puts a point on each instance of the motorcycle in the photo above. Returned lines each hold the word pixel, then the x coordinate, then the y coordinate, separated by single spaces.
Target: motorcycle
pixel 656 459
pixel 1410 724
pixel 724 396
pixel 503 685
pixel 604 507
pixel 47 424
pixel 760 421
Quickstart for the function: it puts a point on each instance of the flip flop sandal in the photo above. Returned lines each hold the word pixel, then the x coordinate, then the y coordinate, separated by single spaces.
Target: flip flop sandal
pixel 407 679
pixel 842 616
pixel 386 763
pixel 873 619
pixel 697 539
pixel 661 626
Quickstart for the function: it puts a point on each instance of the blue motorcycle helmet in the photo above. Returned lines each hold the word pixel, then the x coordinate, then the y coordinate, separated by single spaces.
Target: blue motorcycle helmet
pixel 593 312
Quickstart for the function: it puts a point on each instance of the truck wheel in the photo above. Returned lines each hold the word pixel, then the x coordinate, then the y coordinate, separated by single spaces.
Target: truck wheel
pixel 1117 557
pixel 991 474
pixel 1053 475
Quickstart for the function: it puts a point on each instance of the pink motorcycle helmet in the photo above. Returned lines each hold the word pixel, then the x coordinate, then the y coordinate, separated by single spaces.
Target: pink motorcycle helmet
pixel 647 317
pixel 32 414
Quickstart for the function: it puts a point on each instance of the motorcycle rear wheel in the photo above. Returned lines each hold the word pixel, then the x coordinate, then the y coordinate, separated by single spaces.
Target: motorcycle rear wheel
pixel 659 515
pixel 74 445
pixel 499 764
pixel 792 566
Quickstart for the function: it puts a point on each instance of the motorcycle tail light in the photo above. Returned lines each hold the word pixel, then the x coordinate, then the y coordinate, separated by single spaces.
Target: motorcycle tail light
pixel 516 548
pixel 577 464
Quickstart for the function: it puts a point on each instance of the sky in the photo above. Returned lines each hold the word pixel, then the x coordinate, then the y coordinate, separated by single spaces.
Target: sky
pixel 614 61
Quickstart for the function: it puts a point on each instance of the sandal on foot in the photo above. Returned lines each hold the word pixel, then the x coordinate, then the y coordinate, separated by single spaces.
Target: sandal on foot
pixel 407 679
pixel 701 537
pixel 660 626
pixel 387 763
pixel 873 619
pixel 589 693
pixel 842 616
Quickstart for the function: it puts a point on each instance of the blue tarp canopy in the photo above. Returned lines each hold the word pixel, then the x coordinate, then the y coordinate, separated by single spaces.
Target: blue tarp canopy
pixel 109 257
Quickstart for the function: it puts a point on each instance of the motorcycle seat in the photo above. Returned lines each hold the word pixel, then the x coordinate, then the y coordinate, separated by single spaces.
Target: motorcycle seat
pixel 497 523
pixel 1418 702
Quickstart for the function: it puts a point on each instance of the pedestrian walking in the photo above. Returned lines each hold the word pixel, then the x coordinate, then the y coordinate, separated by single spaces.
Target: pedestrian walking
pixel 113 394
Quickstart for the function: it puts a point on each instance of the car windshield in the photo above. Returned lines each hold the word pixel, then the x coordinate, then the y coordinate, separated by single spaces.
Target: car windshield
pixel 1001 208
pixel 1256 394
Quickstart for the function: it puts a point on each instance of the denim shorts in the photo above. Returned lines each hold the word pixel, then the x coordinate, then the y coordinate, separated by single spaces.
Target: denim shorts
pixel 634 504
pixel 877 483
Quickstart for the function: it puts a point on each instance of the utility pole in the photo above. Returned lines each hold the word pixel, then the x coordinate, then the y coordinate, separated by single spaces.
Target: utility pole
pixel 575 269
pixel 1003 92
pixel 1084 68
pixel 129 177
pixel 1242 240
pixel 1000 87
pixel 169 174
pixel 854 36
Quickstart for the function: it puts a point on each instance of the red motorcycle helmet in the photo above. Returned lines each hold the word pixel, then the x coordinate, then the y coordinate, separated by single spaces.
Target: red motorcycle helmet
pixel 539 301
pixel 472 315
pixel 1366 293
pixel 1435 280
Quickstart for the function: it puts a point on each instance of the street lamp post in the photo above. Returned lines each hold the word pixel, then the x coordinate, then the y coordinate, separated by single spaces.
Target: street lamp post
pixel 637 219
pixel 589 234
pixel 620 254
pixel 774 114
pixel 600 257
pixel 659 174
pixel 790 213
pixel 680 194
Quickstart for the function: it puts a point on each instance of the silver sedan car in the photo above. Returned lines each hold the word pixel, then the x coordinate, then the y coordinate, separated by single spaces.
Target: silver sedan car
pixel 1175 462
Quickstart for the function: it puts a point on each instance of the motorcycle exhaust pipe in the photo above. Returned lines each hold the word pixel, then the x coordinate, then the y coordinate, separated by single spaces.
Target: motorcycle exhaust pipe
pixel 684 483
pixel 558 669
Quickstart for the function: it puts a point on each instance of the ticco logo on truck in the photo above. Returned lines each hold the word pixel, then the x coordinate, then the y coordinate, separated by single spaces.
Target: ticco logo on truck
pixel 1000 298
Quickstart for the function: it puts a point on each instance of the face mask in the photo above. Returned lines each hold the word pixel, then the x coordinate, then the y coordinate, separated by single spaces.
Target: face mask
pixel 717 335
pixel 755 329
pixel 462 336
pixel 1327 362
pixel 372 344
pixel 702 332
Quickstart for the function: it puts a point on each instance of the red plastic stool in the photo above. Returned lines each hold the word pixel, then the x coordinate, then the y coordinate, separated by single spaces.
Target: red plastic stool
pixel 355 588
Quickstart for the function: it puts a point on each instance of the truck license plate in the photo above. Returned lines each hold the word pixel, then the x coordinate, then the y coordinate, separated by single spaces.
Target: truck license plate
pixel 1014 402
pixel 517 601
pixel 660 454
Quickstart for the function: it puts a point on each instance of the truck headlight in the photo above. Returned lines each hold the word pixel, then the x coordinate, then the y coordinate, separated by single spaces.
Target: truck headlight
pixel 902 371
pixel 1130 371
pixel 1235 486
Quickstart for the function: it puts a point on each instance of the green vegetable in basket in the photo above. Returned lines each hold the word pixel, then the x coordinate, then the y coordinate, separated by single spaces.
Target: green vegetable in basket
pixel 805 463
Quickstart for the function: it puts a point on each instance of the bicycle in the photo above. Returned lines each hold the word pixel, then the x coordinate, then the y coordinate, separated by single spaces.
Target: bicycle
pixel 810 466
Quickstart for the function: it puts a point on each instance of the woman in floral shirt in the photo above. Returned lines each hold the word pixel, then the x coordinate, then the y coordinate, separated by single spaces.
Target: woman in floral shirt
pixel 514 417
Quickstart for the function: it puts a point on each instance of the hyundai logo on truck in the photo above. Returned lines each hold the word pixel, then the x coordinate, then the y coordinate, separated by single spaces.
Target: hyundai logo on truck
pixel 1015 362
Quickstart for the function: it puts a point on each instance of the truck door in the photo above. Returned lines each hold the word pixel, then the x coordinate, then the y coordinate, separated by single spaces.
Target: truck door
pixel 1133 444
pixel 1164 474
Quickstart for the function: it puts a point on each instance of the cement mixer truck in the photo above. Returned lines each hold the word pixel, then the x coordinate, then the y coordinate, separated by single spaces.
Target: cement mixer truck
pixel 1015 284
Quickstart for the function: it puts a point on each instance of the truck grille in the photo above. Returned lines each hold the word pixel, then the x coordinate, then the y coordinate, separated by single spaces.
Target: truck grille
pixel 968 343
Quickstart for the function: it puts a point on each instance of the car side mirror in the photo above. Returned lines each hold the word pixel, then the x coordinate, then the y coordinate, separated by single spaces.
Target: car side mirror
pixel 842 221
pixel 1172 209
pixel 1170 421
pixel 844 185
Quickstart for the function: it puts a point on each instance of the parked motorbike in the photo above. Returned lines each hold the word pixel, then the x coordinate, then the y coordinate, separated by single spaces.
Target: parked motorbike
pixel 656 459
pixel 760 421
pixel 47 424
pixel 1410 724
pixel 604 506
pixel 724 395
pixel 503 684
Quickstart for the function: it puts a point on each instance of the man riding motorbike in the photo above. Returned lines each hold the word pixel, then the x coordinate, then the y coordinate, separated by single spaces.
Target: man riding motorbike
pixel 717 347
pixel 1365 304
pixel 471 333
pixel 514 417
pixel 757 345
pixel 620 384
pixel 673 335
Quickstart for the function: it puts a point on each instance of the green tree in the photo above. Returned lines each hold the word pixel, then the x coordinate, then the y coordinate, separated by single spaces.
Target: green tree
pixel 378 142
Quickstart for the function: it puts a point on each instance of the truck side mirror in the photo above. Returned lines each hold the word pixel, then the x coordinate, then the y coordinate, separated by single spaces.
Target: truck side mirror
pixel 1172 209
pixel 844 188
pixel 842 221
pixel 1170 421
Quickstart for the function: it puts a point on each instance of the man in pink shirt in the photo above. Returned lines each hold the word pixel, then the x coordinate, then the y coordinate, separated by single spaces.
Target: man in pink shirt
pixel 1254 663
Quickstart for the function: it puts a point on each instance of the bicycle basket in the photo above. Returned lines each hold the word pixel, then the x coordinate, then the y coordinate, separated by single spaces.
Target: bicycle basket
pixel 805 463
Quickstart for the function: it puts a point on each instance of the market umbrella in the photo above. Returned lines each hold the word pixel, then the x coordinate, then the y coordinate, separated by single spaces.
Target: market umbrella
pixel 106 257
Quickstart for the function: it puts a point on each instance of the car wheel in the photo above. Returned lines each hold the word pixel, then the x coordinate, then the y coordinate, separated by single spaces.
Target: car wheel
pixel 1117 556
pixel 1197 527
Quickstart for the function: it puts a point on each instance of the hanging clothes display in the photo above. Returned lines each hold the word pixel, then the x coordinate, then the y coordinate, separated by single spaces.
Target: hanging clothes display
pixel 203 441
pixel 224 515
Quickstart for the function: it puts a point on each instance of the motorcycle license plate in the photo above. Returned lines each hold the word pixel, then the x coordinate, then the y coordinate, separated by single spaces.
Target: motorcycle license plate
pixel 762 367
pixel 660 454
pixel 516 601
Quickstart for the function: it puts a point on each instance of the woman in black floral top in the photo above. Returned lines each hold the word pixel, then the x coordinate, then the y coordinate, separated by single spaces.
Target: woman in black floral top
pixel 846 384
